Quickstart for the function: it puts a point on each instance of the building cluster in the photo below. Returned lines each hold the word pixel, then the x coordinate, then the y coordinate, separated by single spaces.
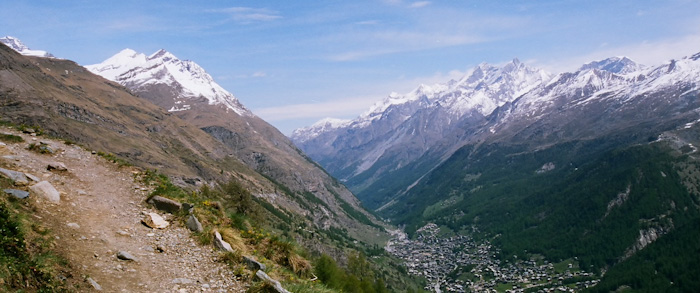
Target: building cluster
pixel 460 264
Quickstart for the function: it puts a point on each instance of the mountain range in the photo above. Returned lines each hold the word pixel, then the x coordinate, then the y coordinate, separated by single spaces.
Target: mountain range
pixel 593 165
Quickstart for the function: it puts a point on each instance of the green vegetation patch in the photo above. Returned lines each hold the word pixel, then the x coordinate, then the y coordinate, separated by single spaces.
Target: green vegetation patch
pixel 10 138
pixel 26 261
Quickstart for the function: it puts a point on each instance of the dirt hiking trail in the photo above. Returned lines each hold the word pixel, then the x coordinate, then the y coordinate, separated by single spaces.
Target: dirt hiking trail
pixel 99 215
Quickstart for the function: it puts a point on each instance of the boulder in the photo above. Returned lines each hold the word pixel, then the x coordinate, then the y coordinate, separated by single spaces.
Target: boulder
pixel 21 194
pixel 56 166
pixel 220 243
pixel 18 177
pixel 270 281
pixel 253 264
pixel 123 255
pixel 46 190
pixel 194 224
pixel 165 204
pixel 155 221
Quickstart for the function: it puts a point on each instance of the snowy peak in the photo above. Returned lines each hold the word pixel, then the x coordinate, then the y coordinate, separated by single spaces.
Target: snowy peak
pixel 618 65
pixel 18 46
pixel 322 126
pixel 136 71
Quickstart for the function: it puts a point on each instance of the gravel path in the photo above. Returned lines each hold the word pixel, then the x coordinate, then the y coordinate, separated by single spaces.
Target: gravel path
pixel 100 214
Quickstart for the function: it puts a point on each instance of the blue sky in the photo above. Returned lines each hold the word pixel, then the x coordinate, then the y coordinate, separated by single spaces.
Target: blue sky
pixel 295 62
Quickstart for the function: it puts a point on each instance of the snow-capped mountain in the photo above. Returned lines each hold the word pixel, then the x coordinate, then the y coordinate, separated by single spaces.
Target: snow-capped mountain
pixel 619 65
pixel 18 46
pixel 401 128
pixel 189 81
pixel 511 104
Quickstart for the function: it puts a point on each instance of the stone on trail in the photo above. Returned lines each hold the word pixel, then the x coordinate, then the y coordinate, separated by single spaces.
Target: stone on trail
pixel 94 284
pixel 18 177
pixel 73 225
pixel 46 190
pixel 123 255
pixel 165 204
pixel 58 166
pixel 221 244
pixel 155 221
pixel 194 224
pixel 21 194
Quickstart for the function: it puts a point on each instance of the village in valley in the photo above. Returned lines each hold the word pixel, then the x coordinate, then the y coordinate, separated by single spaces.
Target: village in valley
pixel 458 263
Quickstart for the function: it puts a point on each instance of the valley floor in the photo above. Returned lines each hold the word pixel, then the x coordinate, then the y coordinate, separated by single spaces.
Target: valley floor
pixel 459 264
pixel 99 215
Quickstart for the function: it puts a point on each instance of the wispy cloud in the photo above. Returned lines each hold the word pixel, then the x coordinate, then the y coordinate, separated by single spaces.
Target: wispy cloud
pixel 246 15
pixel 367 22
pixel 647 53
pixel 389 42
pixel 336 108
pixel 419 4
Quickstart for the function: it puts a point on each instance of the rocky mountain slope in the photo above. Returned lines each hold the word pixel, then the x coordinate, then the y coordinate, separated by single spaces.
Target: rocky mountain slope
pixel 215 144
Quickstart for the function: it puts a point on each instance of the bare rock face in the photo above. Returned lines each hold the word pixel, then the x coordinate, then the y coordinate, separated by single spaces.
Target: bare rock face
pixel 220 243
pixel 46 190
pixel 155 221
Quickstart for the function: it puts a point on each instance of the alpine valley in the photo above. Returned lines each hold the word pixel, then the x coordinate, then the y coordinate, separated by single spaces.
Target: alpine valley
pixel 525 180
